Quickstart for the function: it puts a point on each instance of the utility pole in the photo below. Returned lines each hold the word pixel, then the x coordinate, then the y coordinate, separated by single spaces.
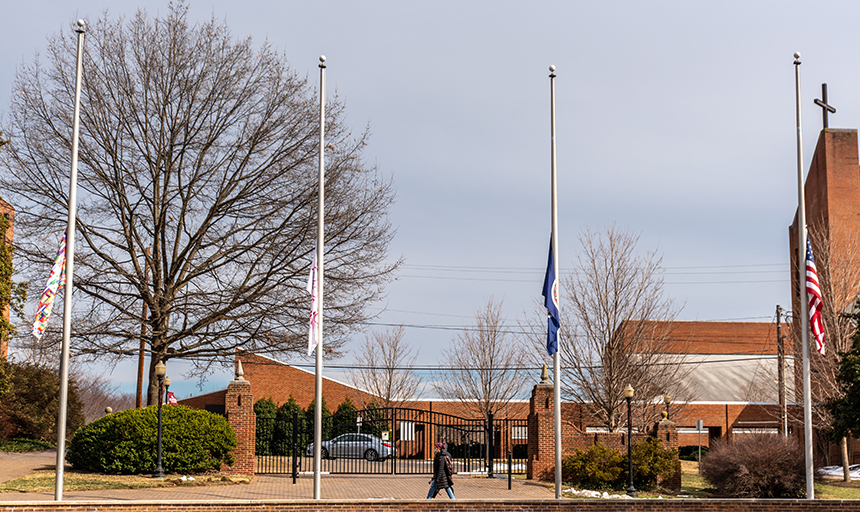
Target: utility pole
pixel 780 361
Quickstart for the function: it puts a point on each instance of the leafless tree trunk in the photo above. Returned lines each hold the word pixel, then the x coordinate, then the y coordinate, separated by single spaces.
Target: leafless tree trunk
pixel 203 150
pixel 384 368
pixel 837 261
pixel 483 364
pixel 616 329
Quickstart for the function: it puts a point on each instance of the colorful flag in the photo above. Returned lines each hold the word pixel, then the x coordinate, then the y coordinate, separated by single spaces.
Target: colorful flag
pixel 313 326
pixel 171 398
pixel 55 281
pixel 550 300
pixel 813 293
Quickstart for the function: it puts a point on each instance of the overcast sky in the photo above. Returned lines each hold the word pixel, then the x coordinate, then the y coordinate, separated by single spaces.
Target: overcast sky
pixel 675 120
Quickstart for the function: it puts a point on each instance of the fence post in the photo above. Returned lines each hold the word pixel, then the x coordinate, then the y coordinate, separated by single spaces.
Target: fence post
pixel 490 439
pixel 510 461
pixel 393 440
pixel 295 444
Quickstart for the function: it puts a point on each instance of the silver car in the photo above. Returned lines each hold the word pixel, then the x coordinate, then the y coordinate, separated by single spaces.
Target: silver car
pixel 354 446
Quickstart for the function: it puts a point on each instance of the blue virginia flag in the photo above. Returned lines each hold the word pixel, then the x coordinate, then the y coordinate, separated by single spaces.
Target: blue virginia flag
pixel 550 296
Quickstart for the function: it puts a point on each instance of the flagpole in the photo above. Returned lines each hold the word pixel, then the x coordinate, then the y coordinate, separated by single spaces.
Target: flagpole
pixel 70 272
pixel 556 358
pixel 804 300
pixel 320 261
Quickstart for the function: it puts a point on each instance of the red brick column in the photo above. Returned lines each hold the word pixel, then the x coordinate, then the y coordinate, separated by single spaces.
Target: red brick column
pixel 665 431
pixel 239 408
pixel 541 443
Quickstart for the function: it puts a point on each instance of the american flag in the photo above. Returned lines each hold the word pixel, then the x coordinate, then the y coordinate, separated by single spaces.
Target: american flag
pixel 813 293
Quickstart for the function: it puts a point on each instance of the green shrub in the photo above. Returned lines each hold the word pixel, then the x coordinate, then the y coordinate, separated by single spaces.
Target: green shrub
pixel 756 466
pixel 125 442
pixel 691 452
pixel 31 406
pixel 598 467
pixel 651 461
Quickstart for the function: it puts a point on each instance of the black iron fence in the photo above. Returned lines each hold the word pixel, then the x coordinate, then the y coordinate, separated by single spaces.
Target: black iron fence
pixel 390 441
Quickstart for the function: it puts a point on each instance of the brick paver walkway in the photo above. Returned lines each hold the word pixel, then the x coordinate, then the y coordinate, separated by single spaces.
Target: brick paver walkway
pixel 277 487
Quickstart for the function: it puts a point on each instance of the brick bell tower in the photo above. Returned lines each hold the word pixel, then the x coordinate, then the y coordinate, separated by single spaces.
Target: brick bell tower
pixel 832 196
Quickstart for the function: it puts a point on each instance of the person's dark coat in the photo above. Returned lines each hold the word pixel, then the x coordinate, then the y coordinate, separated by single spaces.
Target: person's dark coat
pixel 441 473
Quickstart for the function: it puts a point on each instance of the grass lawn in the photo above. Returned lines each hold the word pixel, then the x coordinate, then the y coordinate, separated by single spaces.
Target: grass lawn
pixel 44 481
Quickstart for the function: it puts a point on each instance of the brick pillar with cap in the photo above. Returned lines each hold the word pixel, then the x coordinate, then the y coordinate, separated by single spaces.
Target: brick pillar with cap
pixel 239 409
pixel 665 431
pixel 541 431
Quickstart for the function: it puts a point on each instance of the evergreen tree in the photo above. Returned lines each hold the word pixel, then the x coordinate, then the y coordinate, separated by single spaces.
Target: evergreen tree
pixel 326 420
pixel 265 410
pixel 345 418
pixel 846 409
pixel 282 443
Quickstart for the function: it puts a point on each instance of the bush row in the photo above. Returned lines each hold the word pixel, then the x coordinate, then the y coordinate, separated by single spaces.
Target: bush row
pixel 599 467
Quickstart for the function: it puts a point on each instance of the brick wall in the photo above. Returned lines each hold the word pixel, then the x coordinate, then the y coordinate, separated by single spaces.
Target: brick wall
pixel 716 505
pixel 239 408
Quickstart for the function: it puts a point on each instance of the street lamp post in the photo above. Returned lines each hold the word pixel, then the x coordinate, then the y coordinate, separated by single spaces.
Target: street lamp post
pixel 628 395
pixel 160 370
pixel 667 399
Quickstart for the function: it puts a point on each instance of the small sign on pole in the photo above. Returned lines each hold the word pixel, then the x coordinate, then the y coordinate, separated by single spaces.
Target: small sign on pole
pixel 358 423
pixel 699 428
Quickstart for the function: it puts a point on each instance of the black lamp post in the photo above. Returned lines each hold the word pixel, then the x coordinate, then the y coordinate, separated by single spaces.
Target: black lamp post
pixel 628 395
pixel 160 370
pixel 667 399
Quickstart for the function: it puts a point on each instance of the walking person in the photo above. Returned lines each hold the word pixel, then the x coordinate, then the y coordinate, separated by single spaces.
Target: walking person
pixel 443 467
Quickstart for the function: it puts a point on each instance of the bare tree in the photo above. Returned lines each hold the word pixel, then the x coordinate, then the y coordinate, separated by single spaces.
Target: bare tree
pixel 97 393
pixel 616 329
pixel 837 262
pixel 385 368
pixel 484 370
pixel 204 150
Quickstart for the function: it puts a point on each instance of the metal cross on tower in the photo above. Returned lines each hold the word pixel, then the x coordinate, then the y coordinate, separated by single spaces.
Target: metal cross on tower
pixel 825 108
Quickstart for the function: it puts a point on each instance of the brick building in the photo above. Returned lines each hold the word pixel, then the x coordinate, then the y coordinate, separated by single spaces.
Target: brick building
pixel 732 387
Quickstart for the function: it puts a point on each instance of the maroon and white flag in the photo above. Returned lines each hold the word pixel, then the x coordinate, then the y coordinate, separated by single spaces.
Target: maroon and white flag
pixel 314 324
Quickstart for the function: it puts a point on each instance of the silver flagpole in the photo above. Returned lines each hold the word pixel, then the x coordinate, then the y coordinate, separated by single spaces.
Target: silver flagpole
pixel 556 358
pixel 804 300
pixel 70 272
pixel 320 247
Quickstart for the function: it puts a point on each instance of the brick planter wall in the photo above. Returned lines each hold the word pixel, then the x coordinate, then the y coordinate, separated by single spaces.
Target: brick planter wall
pixel 452 506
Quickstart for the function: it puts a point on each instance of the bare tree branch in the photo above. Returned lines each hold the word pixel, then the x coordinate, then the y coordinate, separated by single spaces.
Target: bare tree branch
pixel 384 368
pixel 484 374
pixel 616 329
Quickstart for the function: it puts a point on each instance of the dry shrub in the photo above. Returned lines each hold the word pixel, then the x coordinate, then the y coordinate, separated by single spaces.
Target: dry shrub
pixel 756 466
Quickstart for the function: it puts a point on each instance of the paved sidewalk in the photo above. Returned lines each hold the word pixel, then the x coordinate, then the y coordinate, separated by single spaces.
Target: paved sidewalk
pixel 268 487
pixel 16 465
pixel 277 487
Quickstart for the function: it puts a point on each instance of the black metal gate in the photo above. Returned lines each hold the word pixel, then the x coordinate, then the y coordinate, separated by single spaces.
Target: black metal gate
pixel 391 441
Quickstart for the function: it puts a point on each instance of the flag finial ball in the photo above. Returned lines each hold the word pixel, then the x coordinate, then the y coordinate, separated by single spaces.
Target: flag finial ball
pixel 322 58
pixel 796 55
pixel 552 68
pixel 81 23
